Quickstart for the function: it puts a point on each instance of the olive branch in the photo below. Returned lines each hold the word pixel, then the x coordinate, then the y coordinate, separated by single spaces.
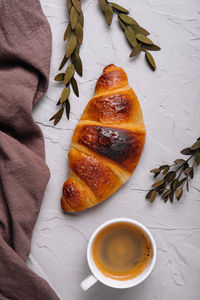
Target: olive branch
pixel 135 35
pixel 74 37
pixel 175 176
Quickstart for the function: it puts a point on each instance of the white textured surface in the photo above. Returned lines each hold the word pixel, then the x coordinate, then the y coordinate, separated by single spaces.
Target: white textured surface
pixel 170 99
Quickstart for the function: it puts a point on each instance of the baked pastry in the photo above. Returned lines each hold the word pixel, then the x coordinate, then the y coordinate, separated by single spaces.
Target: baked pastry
pixel 107 143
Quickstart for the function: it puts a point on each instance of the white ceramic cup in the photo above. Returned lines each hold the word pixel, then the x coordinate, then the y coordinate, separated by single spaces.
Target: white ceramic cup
pixel 98 276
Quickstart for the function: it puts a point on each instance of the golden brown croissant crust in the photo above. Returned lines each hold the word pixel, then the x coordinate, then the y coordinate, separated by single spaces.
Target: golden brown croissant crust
pixel 107 143
pixel 115 108
pixel 120 145
pixel 112 78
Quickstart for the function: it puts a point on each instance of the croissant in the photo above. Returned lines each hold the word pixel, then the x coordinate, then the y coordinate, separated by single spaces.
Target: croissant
pixel 107 143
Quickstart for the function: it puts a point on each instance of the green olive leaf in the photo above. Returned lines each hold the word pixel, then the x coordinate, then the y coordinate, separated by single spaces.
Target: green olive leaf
pixel 81 19
pixel 153 196
pixel 57 117
pixel 150 60
pixel 73 17
pixel 63 62
pixel 65 94
pixel 192 173
pixel 179 193
pixel 59 77
pixel 136 50
pixel 138 29
pixel 127 20
pixel 130 35
pixel 179 161
pixel 171 197
pixel 186 151
pixel 69 5
pixel 69 73
pixel 165 170
pixel 187 186
pixel 119 8
pixel 79 33
pixel 174 184
pixel 187 171
pixel 156 170
pixel 158 183
pixel 77 63
pixel 67 107
pixel 171 177
pixel 77 49
pixel 108 13
pixel 195 146
pixel 142 38
pixel 57 120
pixel 102 4
pixel 68 32
pixel 166 193
pixel 151 47
pixel 74 86
pixel 71 45
pixel 148 194
pixel 77 5
pixel 123 26
pixel 163 167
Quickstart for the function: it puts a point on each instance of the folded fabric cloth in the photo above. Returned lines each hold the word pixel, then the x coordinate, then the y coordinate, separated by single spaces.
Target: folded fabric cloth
pixel 25 51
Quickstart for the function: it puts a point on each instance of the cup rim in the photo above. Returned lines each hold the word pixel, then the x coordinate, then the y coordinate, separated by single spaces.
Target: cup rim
pixel 114 282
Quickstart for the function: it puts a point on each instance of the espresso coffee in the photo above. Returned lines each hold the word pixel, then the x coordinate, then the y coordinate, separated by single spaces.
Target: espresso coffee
pixel 122 251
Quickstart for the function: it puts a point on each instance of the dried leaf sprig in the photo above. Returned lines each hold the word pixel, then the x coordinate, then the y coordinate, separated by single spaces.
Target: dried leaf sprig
pixel 135 34
pixel 74 37
pixel 174 177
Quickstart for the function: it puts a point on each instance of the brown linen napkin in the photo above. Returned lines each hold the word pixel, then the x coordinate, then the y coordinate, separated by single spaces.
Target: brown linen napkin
pixel 25 51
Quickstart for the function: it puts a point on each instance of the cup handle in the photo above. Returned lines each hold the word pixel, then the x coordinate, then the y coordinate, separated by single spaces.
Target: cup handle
pixel 88 282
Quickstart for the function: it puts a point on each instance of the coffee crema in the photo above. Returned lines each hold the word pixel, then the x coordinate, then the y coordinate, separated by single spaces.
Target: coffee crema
pixel 122 251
